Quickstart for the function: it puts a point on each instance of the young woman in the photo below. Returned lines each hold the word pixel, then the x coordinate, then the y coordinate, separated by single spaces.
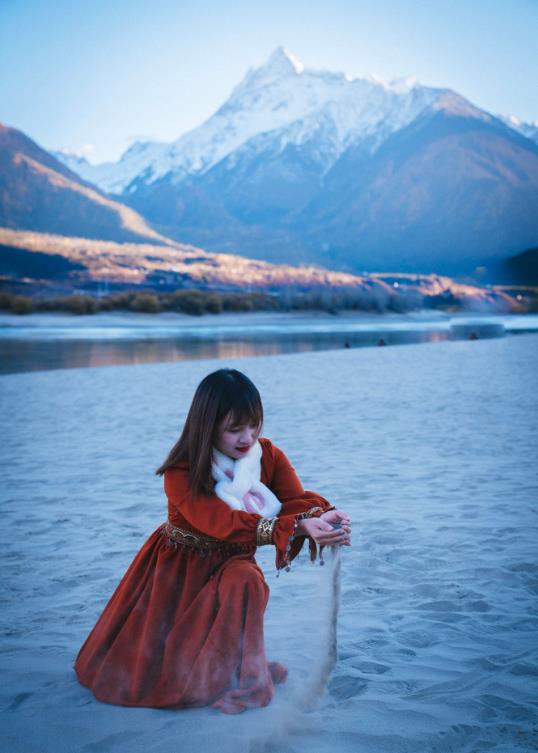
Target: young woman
pixel 184 627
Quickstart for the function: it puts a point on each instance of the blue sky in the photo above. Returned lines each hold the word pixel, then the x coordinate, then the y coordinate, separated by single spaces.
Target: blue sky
pixel 98 75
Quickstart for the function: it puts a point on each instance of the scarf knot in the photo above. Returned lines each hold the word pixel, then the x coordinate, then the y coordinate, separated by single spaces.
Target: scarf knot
pixel 239 485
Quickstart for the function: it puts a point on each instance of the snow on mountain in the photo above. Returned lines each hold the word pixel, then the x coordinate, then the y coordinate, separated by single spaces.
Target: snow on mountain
pixel 284 104
pixel 348 172
pixel 289 101
pixel 529 130
pixel 96 174
pixel 112 177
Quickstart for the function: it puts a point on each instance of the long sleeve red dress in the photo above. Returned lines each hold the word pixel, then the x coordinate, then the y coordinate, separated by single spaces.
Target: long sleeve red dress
pixel 184 627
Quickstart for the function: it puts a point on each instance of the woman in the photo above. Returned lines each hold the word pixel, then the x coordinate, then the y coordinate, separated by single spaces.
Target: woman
pixel 184 627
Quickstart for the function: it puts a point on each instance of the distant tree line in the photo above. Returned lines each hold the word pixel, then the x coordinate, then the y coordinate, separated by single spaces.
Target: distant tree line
pixel 194 302
pixel 290 298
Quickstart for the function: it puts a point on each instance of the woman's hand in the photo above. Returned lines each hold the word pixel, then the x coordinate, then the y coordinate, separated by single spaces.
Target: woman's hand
pixel 337 518
pixel 323 532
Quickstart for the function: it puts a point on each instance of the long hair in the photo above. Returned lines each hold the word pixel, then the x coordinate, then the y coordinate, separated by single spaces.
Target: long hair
pixel 223 392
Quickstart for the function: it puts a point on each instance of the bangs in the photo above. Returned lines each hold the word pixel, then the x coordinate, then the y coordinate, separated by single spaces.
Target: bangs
pixel 246 417
pixel 244 408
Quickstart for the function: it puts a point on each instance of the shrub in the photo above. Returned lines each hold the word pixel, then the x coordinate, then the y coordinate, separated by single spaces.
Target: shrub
pixel 213 304
pixel 145 302
pixel 118 300
pixel 21 304
pixel 105 304
pixel 81 304
pixel 237 302
pixel 6 300
pixel 188 302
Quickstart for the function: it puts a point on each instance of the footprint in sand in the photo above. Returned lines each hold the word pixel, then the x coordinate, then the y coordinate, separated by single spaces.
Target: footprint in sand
pixel 371 667
pixel 529 670
pixel 346 686
pixel 107 743
pixel 416 638
pixel 17 700
pixel 508 709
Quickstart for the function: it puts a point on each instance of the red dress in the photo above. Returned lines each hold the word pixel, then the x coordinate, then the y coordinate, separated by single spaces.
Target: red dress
pixel 184 627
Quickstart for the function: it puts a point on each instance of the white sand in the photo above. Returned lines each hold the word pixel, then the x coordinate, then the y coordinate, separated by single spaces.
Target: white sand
pixel 432 450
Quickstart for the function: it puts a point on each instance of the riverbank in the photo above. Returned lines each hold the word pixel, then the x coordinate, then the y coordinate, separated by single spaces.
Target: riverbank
pixel 226 319
pixel 58 341
pixel 12 324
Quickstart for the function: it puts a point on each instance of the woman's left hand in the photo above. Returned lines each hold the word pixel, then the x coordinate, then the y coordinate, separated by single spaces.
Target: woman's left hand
pixel 337 518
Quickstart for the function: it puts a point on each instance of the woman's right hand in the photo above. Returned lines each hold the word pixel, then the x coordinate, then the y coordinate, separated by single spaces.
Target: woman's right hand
pixel 322 532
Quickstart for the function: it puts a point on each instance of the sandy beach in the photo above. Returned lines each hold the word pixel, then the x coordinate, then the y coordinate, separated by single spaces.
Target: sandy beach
pixel 431 448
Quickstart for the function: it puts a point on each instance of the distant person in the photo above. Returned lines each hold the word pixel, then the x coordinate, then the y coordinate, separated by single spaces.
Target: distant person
pixel 184 627
pixel 346 344
pixel 381 341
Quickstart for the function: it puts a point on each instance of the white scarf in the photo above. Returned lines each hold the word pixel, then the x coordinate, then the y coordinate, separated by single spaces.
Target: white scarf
pixel 238 483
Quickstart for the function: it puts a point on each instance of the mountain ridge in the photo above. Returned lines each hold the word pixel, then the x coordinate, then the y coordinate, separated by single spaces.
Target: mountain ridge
pixel 272 96
pixel 114 177
pixel 37 192
pixel 347 172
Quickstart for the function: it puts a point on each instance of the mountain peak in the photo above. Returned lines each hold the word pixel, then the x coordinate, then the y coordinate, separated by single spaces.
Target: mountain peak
pixel 403 84
pixel 452 103
pixel 281 65
pixel 282 62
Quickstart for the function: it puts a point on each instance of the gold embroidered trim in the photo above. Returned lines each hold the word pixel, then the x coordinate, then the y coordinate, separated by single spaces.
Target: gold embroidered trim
pixel 310 513
pixel 195 540
pixel 264 531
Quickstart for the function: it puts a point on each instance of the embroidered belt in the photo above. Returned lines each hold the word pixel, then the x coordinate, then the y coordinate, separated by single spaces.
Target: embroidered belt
pixel 197 540
pixel 264 535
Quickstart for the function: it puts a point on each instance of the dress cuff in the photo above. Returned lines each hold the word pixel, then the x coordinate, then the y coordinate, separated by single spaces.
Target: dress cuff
pixel 295 543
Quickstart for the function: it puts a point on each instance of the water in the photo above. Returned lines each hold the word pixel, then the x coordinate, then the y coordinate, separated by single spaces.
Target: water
pixel 45 343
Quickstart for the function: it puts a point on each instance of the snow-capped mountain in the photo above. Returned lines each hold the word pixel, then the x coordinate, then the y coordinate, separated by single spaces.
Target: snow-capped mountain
pixel 291 102
pixel 280 97
pixel 309 166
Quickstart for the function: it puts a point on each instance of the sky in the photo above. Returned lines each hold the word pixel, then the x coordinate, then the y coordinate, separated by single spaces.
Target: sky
pixel 94 76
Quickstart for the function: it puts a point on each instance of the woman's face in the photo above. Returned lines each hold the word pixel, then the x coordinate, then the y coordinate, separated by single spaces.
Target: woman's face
pixel 235 440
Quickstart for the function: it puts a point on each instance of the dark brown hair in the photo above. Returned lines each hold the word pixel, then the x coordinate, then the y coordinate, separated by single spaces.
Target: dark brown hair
pixel 223 392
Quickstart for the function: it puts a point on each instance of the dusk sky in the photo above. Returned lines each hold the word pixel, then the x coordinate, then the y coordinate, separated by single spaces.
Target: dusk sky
pixel 95 76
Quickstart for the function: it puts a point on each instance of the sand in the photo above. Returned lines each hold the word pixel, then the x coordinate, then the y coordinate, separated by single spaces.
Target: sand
pixel 431 448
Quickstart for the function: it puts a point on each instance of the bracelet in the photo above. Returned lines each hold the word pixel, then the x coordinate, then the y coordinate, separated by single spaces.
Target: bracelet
pixel 310 513
pixel 264 531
